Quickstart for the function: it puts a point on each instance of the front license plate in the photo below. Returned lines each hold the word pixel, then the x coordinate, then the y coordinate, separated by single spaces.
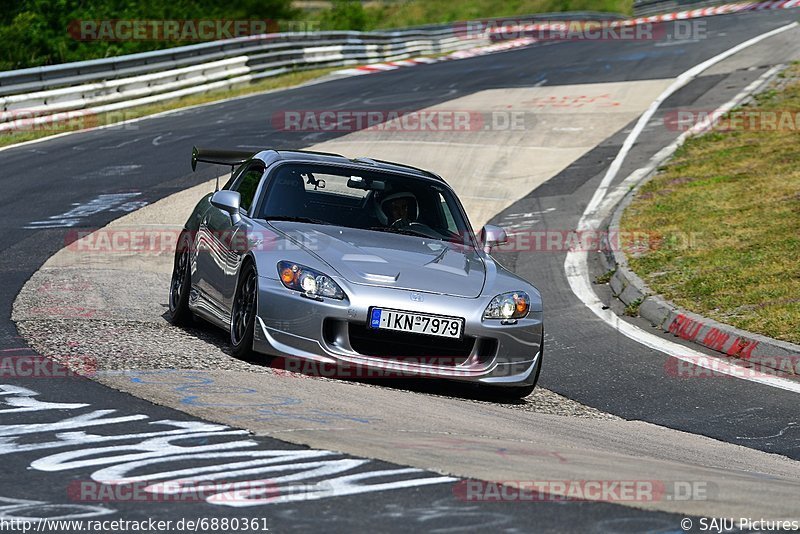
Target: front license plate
pixel 418 323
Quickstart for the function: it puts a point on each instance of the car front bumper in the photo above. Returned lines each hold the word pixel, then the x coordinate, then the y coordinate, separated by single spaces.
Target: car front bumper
pixel 330 333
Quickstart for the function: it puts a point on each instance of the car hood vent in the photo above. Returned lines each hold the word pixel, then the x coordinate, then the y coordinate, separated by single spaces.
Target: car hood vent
pixel 392 260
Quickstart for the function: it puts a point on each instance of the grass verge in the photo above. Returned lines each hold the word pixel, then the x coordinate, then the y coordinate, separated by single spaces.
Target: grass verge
pixel 724 219
pixel 605 277
pixel 84 121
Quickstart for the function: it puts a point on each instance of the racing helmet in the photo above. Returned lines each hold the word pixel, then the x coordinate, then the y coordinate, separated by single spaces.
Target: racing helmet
pixel 386 205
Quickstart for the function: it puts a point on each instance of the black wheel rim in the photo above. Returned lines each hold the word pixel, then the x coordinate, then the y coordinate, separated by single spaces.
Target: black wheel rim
pixel 179 275
pixel 243 307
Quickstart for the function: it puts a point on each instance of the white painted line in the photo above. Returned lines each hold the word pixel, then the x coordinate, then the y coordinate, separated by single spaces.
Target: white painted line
pixel 576 266
pixel 679 82
pixel 315 474
pixel 620 190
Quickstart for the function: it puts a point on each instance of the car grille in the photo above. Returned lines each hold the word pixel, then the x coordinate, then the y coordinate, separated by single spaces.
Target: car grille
pixel 401 345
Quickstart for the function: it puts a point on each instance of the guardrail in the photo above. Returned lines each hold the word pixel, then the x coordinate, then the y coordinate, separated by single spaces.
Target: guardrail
pixel 42 95
pixel 132 80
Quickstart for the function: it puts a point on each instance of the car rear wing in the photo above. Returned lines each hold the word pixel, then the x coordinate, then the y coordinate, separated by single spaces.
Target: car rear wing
pixel 219 157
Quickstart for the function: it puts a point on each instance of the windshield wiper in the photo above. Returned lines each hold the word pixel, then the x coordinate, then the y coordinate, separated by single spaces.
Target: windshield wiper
pixel 401 231
pixel 297 219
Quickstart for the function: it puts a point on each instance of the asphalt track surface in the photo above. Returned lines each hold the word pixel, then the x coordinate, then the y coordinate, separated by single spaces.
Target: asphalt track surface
pixel 586 360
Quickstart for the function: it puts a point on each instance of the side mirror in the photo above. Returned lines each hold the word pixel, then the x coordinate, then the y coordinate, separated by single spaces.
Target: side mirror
pixel 229 202
pixel 492 236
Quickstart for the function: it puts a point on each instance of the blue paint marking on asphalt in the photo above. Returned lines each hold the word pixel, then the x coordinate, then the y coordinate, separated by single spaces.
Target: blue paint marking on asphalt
pixel 646 54
pixel 375 322
pixel 196 388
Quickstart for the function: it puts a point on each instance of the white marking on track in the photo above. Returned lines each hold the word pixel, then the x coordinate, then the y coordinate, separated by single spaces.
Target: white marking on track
pixel 601 204
pixel 111 202
pixel 677 42
pixel 213 458
pixel 115 170
pixel 528 214
pixel 122 144
pixel 22 510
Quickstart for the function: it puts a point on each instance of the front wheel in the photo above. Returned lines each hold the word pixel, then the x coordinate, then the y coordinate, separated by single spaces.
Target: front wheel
pixel 509 393
pixel 243 313
pixel 180 285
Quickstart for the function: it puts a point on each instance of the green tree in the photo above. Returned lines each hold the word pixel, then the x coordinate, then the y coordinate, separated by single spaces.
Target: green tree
pixel 344 15
pixel 36 32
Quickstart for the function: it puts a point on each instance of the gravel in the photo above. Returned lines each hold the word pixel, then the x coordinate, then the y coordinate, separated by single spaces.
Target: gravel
pixel 131 345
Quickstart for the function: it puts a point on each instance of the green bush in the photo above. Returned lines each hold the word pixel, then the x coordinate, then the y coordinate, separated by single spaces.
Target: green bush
pixel 344 15
pixel 35 32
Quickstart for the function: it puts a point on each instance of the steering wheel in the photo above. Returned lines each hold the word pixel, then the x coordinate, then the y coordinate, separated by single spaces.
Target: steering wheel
pixel 417 227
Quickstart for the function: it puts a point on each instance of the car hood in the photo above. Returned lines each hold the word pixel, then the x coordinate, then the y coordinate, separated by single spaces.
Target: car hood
pixel 392 260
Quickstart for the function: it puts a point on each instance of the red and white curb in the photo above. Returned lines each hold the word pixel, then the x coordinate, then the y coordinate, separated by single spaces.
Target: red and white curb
pixel 724 9
pixel 459 54
pixel 720 10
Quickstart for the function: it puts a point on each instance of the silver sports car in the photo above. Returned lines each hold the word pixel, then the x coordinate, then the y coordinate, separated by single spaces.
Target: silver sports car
pixel 355 263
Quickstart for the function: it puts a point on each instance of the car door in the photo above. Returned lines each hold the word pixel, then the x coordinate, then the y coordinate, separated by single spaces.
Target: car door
pixel 219 258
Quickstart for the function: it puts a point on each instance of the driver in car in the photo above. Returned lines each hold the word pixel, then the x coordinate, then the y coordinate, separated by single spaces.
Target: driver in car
pixel 400 209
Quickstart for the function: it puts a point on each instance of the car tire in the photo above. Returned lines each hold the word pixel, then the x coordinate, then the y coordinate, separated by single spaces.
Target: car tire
pixel 243 313
pixel 180 284
pixel 512 393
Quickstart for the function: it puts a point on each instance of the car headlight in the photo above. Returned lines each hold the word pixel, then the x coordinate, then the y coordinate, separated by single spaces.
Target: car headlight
pixel 310 282
pixel 513 305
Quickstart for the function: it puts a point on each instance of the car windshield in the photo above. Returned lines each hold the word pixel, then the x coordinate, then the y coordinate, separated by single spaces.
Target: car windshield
pixel 376 201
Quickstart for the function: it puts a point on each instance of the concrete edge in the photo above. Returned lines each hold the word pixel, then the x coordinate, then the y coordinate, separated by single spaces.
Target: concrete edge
pixel 629 288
